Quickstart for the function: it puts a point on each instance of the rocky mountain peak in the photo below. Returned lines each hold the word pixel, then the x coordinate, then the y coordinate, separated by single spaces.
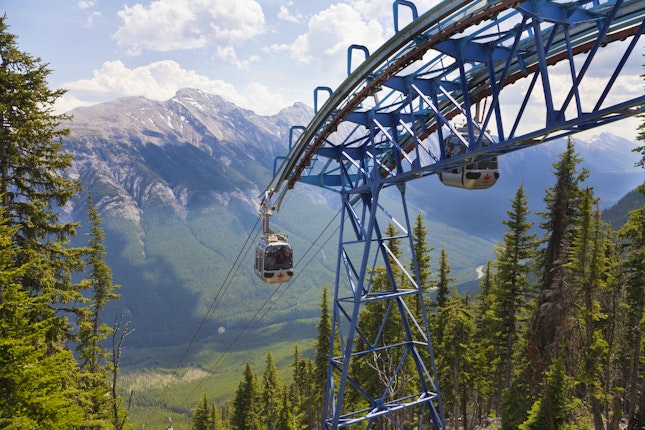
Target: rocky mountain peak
pixel 134 153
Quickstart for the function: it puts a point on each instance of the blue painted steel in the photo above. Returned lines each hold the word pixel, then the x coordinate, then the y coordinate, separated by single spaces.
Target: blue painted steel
pixel 317 90
pixel 395 11
pixel 495 46
pixel 350 51
pixel 387 124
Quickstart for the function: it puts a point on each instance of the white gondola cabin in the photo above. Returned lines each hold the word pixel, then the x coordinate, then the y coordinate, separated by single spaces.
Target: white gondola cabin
pixel 273 258
pixel 478 175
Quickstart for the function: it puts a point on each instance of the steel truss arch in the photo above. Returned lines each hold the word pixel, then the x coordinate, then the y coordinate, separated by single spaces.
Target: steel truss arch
pixel 387 123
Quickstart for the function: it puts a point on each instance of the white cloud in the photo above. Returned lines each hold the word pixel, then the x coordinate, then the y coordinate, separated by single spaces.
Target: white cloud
pixel 160 81
pixel 383 11
pixel 86 4
pixel 286 15
pixel 167 25
pixel 260 99
pixel 329 34
pixel 68 102
pixel 157 81
pixel 335 28
pixel 91 17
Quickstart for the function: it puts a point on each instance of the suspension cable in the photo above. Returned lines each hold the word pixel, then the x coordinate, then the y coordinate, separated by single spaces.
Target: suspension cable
pixel 214 303
pixel 261 312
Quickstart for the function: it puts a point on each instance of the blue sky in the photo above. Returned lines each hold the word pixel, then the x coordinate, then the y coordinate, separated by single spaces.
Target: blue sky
pixel 262 55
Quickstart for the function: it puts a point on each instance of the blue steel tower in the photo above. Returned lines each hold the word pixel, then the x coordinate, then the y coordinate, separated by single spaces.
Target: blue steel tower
pixel 394 119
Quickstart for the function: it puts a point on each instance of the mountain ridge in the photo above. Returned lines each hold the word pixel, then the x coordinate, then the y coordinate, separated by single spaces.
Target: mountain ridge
pixel 131 145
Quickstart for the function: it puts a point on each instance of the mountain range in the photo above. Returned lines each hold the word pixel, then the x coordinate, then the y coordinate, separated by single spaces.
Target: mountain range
pixel 177 184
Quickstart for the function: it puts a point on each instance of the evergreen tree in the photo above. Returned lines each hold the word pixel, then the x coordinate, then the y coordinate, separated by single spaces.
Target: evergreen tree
pixel 91 331
pixel 202 419
pixel 271 393
pixel 43 391
pixel 246 404
pixel 215 418
pixel 633 236
pixel 488 377
pixel 456 358
pixel 589 267
pixel 321 355
pixel 422 254
pixel 306 391
pixel 422 265
pixel 286 418
pixel 206 416
pixel 555 409
pixel 32 184
pixel 552 320
pixel 513 290
pixel 443 289
pixel 37 385
pixel 443 283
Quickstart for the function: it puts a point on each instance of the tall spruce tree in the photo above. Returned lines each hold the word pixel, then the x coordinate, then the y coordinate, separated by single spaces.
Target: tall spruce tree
pixel 271 394
pixel 514 261
pixel 455 358
pixel 246 403
pixel 488 376
pixel 443 283
pixel 36 385
pixel 321 355
pixel 32 189
pixel 590 274
pixel 552 320
pixel 202 416
pixel 633 237
pixel 555 408
pixel 422 265
pixel 32 184
pixel 287 419
pixel 422 253
pixel 306 392
pixel 92 332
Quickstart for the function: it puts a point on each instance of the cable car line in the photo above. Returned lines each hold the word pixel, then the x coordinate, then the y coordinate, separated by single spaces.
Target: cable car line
pixel 215 302
pixel 275 290
pixel 235 267
pixel 284 288
pixel 297 265
pixel 273 254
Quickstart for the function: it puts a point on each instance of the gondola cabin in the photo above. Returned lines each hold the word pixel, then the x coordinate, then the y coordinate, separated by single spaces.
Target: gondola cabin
pixel 273 258
pixel 478 175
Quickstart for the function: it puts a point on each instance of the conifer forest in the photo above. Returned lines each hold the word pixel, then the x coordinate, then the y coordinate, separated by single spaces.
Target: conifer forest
pixel 553 339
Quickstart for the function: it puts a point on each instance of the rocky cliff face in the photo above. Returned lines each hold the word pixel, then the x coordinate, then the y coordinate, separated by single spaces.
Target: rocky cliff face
pixel 134 153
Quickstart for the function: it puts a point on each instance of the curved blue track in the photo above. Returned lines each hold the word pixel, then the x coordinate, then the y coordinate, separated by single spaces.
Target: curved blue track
pixel 461 53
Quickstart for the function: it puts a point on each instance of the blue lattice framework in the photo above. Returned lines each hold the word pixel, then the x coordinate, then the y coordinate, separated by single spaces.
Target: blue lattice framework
pixel 386 125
